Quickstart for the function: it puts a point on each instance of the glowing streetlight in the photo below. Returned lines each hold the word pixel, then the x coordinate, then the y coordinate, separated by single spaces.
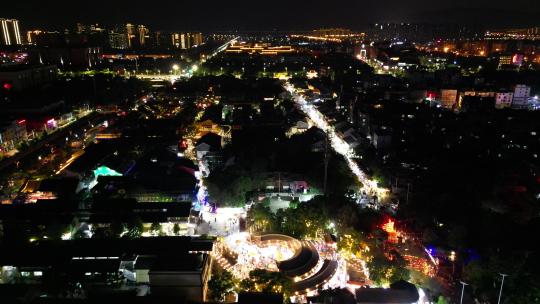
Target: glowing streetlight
pixel 175 68
pixel 194 68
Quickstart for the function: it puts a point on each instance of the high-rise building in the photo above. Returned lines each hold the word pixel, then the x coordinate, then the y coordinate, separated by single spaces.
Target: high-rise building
pixel 161 39
pixel 118 40
pixel 131 34
pixel 31 36
pixel 137 35
pixel 177 40
pixel 11 34
pixel 87 29
pixel 186 40
pixel 197 38
pixel 143 35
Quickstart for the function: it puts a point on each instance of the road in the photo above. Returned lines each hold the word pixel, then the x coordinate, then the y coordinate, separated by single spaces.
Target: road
pixel 338 144
pixel 185 73
pixel 224 221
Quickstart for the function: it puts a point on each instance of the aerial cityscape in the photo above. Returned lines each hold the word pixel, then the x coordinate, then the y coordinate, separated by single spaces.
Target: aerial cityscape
pixel 270 152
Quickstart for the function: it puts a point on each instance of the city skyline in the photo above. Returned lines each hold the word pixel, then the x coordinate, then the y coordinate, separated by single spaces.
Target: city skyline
pixel 280 15
pixel 337 152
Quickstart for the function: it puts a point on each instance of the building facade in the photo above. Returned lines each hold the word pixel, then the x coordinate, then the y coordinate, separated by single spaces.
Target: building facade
pixel 449 98
pixel 11 135
pixel 186 40
pixel 521 96
pixel 11 34
pixel 503 100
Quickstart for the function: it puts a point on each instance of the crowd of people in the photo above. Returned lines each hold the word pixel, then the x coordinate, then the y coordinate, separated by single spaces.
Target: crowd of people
pixel 253 255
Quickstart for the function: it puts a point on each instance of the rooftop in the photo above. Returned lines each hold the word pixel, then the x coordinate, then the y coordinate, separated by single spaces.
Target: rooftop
pixel 49 253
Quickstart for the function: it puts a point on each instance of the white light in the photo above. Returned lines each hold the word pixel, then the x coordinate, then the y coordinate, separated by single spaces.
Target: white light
pixel 338 144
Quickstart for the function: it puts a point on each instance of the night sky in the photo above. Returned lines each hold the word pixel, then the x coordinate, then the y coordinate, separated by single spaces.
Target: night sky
pixel 269 14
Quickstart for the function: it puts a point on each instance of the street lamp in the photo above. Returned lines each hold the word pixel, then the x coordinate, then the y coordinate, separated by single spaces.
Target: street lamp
pixel 175 68
pixel 452 258
pixel 462 291
pixel 502 283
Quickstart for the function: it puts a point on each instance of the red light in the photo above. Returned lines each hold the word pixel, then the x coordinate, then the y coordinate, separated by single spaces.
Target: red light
pixel 183 144
pixel 7 86
pixel 22 121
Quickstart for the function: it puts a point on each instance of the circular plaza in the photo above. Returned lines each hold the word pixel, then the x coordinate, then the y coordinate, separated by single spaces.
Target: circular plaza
pixel 305 262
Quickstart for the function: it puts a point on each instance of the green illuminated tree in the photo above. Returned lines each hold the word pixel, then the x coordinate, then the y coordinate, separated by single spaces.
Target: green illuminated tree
pixel 268 281
pixel 155 227
pixel 221 284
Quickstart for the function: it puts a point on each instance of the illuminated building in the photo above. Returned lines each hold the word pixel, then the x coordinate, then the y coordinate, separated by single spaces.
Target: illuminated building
pixel 477 94
pixel 448 98
pixel 86 29
pixel 135 56
pixel 131 34
pixel 118 40
pixel 179 40
pixel 517 59
pixel 336 33
pixel 521 96
pixel 11 135
pixel 511 60
pixel 263 49
pixel 143 34
pixel 503 100
pixel 10 32
pixel 532 33
pixel 331 35
pixel 33 36
pixel 197 39
pixel 186 40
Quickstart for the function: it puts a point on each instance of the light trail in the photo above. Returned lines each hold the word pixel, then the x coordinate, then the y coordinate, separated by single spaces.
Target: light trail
pixel 73 158
pixel 338 144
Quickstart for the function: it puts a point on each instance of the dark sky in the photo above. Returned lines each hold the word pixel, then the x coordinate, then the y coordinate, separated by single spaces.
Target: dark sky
pixel 269 14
